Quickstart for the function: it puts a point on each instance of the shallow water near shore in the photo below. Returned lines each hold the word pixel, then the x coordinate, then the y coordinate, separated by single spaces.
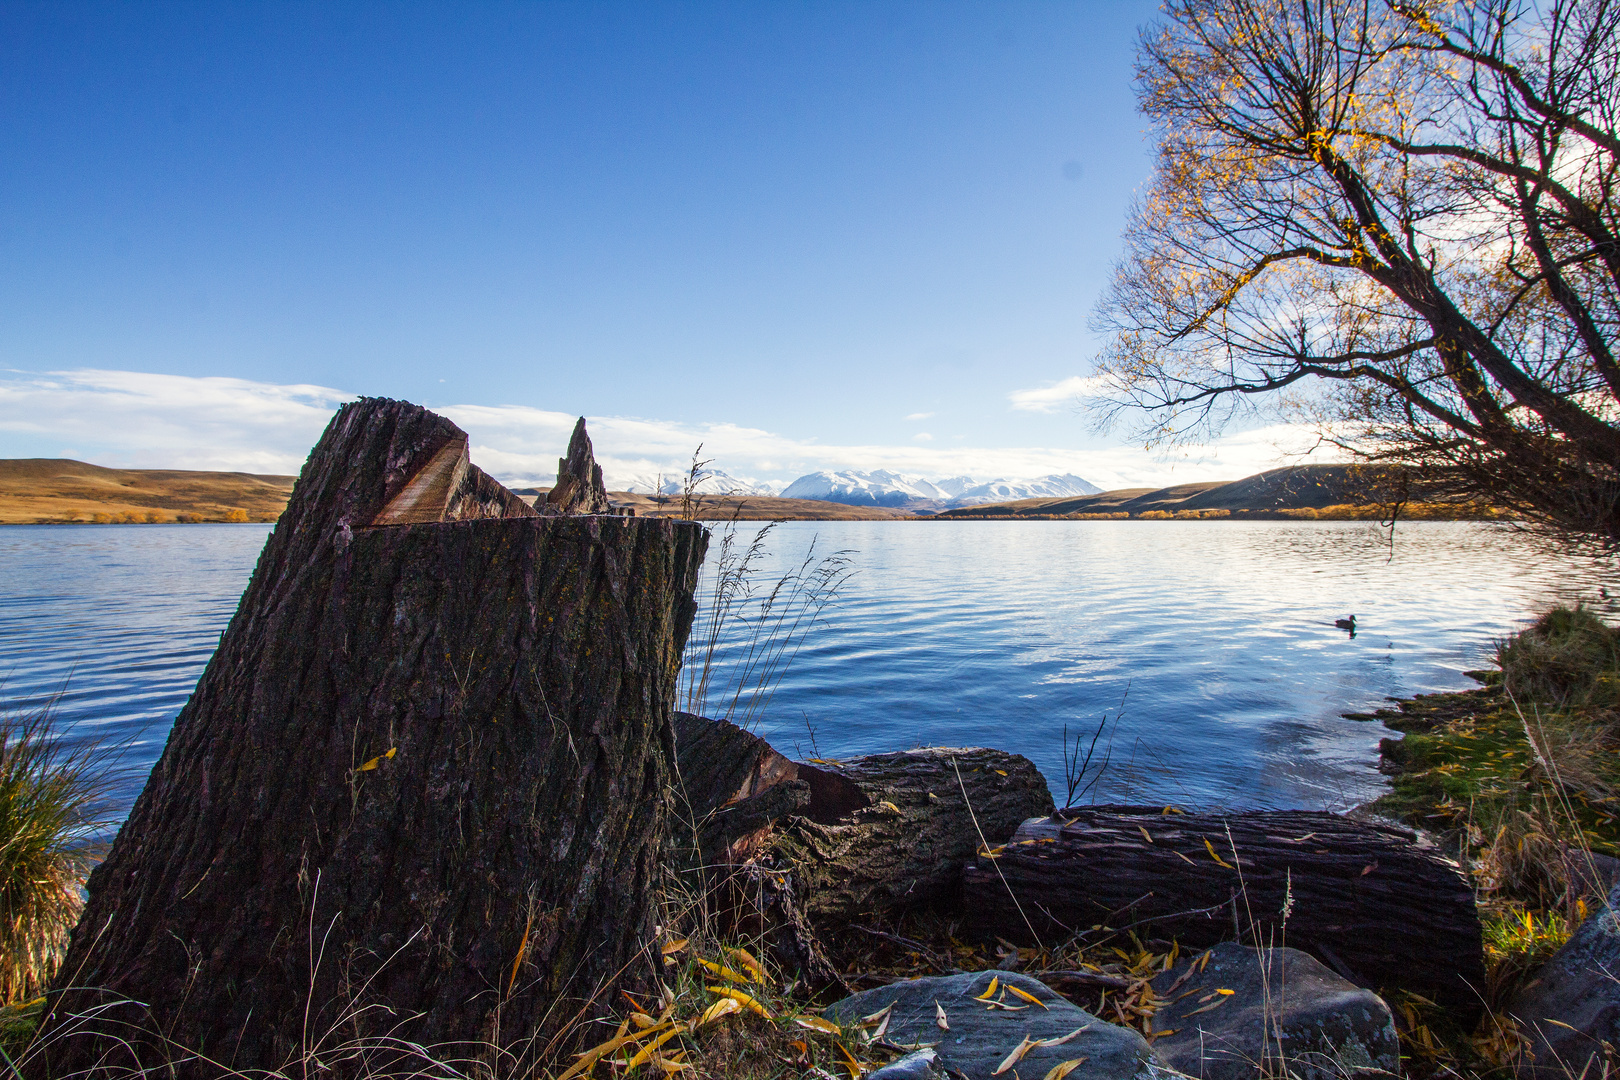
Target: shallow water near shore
pixel 1217 636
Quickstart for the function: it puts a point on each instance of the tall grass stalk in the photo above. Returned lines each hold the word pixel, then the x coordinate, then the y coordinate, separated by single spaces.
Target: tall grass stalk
pixel 53 805
pixel 753 624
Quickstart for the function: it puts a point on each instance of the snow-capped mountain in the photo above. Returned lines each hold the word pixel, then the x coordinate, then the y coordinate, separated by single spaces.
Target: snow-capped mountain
pixel 713 482
pixel 880 487
pixel 954 486
pixel 1047 487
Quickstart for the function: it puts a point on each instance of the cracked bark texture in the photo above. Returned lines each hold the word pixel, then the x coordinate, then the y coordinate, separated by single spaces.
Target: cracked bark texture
pixel 427 769
pixel 1366 898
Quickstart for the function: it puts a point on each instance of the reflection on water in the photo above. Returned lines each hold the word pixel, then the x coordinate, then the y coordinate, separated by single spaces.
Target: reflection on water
pixel 1216 640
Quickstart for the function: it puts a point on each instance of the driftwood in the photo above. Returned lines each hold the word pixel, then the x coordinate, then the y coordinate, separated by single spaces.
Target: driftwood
pixel 1364 898
pixel 419 792
pixel 927 809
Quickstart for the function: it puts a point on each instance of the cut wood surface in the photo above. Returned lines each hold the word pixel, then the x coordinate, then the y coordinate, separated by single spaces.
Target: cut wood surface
pixel 1365 898
pixel 922 826
pixel 419 791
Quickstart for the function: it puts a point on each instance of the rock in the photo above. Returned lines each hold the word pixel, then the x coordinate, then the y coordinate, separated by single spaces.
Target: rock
pixel 980 1038
pixel 579 488
pixel 1284 1003
pixel 1570 1012
pixel 922 1065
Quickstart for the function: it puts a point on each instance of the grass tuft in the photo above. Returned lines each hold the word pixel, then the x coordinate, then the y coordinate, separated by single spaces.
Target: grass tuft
pixel 53 804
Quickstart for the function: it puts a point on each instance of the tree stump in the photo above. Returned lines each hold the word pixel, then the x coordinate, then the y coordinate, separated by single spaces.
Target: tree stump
pixel 419 794
pixel 1364 898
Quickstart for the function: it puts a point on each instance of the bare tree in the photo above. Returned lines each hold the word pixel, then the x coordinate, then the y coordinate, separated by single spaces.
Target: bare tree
pixel 1400 216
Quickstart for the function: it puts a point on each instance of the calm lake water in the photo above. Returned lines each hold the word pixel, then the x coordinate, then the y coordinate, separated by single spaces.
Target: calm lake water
pixel 1217 637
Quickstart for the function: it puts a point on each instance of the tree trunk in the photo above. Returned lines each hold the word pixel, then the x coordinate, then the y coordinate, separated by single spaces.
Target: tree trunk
pixel 908 847
pixel 419 792
pixel 1364 898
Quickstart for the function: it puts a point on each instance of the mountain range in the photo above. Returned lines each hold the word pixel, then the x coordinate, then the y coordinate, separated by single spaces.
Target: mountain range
pixel 880 487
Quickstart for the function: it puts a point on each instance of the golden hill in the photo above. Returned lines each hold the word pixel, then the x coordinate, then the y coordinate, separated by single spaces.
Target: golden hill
pixel 34 490
pixel 50 490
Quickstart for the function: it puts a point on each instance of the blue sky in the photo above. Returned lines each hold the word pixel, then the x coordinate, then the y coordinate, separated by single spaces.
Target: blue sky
pixel 813 235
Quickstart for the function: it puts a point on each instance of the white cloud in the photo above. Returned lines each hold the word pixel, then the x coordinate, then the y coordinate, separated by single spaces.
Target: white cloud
pixel 138 419
pixel 143 420
pixel 922 436
pixel 919 416
pixel 1065 392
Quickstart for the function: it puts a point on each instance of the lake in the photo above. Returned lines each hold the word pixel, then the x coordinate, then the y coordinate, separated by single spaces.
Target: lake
pixel 1209 647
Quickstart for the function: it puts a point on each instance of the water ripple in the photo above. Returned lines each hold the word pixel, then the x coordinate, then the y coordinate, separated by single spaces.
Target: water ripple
pixel 974 633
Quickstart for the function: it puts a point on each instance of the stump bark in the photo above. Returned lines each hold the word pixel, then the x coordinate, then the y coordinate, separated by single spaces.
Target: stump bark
pixel 1365 898
pixel 420 792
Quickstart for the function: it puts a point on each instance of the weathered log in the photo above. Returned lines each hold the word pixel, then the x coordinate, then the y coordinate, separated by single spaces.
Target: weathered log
pixel 419 792
pixel 1365 898
pixel 731 787
pixel 927 810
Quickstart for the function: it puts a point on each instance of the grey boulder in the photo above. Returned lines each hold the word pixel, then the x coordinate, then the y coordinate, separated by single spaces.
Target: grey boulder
pixel 1570 1013
pixel 921 1065
pixel 982 1035
pixel 1285 1012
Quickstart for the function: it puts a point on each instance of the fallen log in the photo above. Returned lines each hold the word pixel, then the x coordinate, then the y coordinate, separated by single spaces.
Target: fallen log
pixel 1365 898
pixel 858 835
pixel 731 787
pixel 926 812
pixel 419 796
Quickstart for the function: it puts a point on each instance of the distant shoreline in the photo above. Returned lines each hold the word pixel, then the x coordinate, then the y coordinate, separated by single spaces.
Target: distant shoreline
pixel 58 491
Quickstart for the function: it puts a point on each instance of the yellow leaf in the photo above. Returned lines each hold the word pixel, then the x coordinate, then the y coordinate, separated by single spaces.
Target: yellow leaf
pixel 990 990
pixel 746 959
pixel 1144 833
pixel 374 762
pixel 816 1023
pixel 672 947
pixel 745 1000
pixel 1227 993
pixel 646 1052
pixel 724 1007
pixel 720 971
pixel 590 1057
pixel 1031 998
pixel 1058 1072
pixel 850 1063
pixel 1003 772
pixel 1214 856
pixel 1013 1058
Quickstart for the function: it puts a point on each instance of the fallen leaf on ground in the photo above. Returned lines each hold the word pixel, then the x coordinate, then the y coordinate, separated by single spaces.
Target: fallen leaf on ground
pixel 724 1007
pixel 1013 1058
pixel 1031 998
